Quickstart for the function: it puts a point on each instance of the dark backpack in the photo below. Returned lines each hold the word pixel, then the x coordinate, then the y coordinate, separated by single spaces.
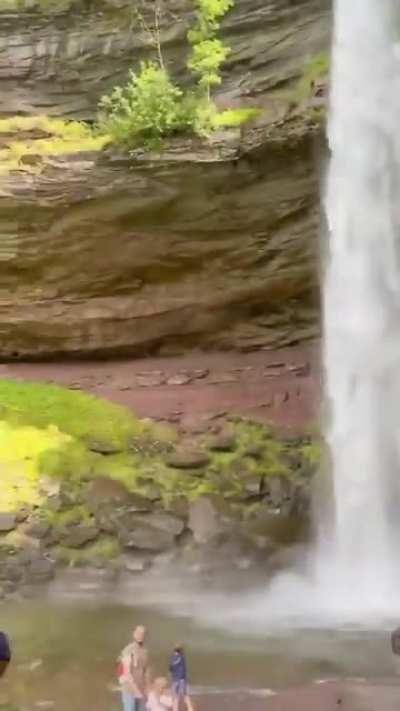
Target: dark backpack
pixel 396 641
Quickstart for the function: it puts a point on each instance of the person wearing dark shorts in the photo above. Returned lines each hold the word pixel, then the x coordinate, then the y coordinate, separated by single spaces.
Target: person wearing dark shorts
pixel 179 685
pixel 5 652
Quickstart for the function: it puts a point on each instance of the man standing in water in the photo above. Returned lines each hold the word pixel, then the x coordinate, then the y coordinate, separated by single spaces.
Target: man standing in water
pixel 135 672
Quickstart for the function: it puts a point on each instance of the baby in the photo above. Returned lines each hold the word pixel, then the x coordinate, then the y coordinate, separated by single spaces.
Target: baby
pixel 159 698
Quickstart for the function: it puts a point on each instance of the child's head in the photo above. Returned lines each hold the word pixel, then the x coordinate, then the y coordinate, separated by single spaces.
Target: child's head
pixel 178 648
pixel 160 685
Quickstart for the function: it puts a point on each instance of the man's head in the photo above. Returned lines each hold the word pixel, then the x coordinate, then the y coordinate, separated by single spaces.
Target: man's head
pixel 139 634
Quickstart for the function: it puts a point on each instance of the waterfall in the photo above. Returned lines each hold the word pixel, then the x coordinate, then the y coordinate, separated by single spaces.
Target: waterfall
pixel 353 574
pixel 360 556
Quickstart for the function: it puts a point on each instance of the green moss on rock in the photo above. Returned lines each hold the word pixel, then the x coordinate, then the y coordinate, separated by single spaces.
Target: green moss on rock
pixel 76 461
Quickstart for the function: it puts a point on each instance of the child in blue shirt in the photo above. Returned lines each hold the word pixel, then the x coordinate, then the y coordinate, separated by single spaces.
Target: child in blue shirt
pixel 178 671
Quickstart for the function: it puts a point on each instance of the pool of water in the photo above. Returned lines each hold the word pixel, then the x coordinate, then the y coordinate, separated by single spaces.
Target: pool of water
pixel 65 652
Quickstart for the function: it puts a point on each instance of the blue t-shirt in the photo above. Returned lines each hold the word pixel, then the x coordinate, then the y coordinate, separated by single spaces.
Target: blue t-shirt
pixel 177 667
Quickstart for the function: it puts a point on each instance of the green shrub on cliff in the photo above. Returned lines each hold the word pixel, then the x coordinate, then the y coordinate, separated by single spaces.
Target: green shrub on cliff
pixel 151 106
pixel 147 108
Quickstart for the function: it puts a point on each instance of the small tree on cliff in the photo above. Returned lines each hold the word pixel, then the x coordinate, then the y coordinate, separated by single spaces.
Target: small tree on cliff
pixel 208 50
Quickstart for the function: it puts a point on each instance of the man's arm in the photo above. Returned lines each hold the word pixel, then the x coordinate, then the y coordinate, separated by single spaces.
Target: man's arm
pixel 147 677
pixel 127 676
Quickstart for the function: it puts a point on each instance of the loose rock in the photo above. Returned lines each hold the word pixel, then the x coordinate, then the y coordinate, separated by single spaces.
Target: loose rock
pixel 204 520
pixel 187 459
pixel 223 442
pixel 7 522
pixel 79 535
pixel 145 537
pixel 179 379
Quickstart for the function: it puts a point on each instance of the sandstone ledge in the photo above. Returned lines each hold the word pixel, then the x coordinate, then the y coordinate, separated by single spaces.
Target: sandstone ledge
pixel 209 245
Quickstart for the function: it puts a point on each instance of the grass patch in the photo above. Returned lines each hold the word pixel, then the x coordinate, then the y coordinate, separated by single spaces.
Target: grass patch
pixel 232 118
pixel 47 430
pixel 73 462
pixel 315 68
pixel 20 452
pixel 78 414
pixel 69 517
pixel 258 453
pixel 49 137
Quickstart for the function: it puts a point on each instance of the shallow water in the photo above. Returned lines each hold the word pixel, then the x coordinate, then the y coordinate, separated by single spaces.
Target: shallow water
pixel 65 654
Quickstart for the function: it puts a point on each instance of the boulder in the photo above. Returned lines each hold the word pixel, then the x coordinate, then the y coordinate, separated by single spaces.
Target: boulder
pixel 278 490
pixel 40 570
pixel 254 451
pixel 100 446
pixel 151 491
pixel 271 528
pixel 145 537
pixel 155 531
pixel 204 520
pixel 164 521
pixel 106 490
pixel 150 380
pixel 187 459
pixel 24 511
pixel 224 441
pixel 17 543
pixel 253 485
pixel 7 521
pixel 79 535
pixel 135 564
pixel 194 424
pixel 37 528
pixel 12 571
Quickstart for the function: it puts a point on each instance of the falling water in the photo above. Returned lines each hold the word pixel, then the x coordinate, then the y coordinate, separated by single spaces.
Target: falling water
pixel 361 557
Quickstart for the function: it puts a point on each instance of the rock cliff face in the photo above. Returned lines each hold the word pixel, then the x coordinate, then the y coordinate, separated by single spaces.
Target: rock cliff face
pixel 205 245
pixel 59 57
